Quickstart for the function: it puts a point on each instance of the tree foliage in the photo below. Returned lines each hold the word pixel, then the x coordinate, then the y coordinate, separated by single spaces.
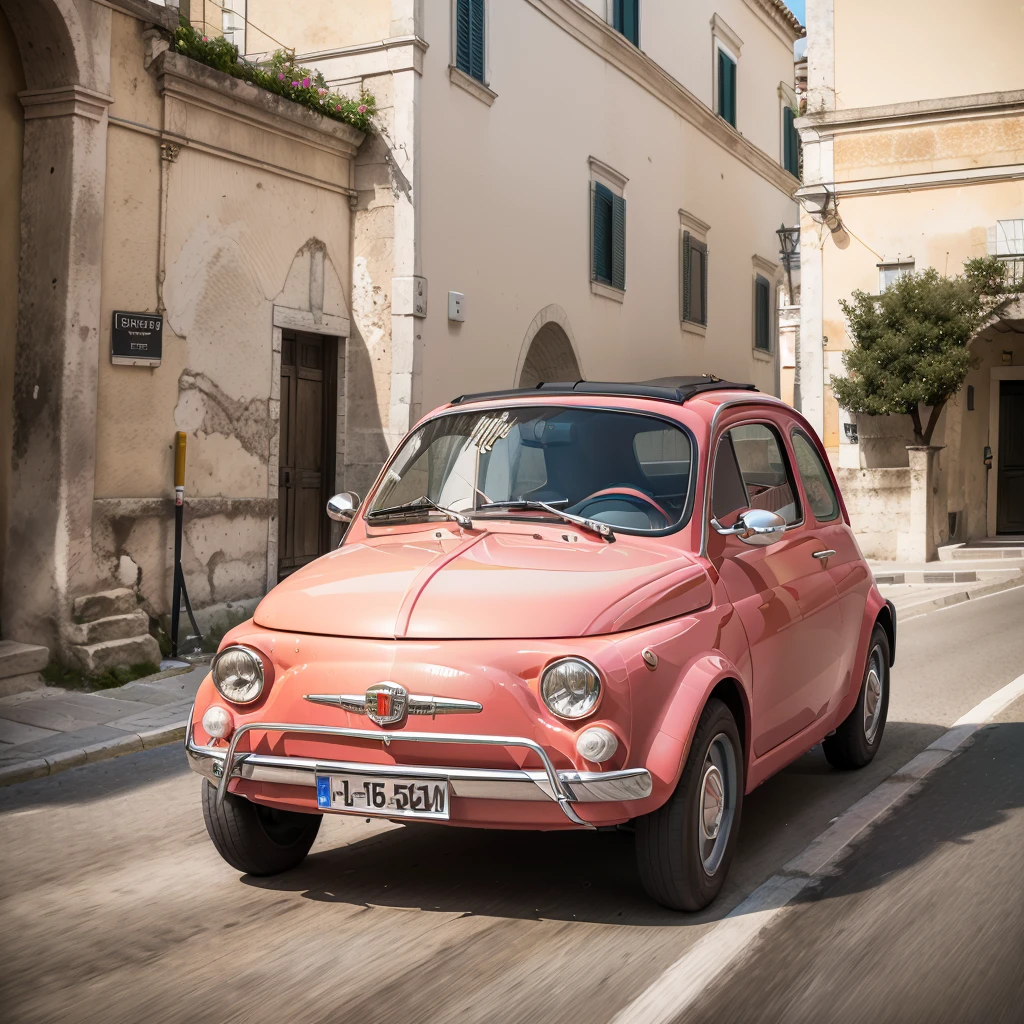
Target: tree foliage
pixel 911 343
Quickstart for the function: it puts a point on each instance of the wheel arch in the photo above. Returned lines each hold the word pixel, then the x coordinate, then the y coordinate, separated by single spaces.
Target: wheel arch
pixel 886 618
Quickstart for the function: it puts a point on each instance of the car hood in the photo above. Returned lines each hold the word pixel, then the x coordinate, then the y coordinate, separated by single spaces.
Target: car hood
pixel 435 584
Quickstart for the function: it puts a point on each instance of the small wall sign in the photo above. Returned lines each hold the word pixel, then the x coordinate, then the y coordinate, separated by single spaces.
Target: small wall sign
pixel 136 339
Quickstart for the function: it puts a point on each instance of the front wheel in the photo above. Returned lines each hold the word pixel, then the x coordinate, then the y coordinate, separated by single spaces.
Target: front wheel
pixel 857 740
pixel 256 839
pixel 684 847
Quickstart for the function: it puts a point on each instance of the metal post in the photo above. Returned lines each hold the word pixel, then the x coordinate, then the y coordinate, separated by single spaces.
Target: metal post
pixel 179 575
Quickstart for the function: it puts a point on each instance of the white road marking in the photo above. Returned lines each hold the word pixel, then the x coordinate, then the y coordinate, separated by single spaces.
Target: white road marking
pixel 681 985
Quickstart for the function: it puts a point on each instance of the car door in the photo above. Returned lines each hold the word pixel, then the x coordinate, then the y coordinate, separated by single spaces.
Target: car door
pixel 845 565
pixel 783 595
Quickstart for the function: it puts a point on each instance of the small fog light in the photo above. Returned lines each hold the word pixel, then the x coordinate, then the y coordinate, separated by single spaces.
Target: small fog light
pixel 217 722
pixel 596 744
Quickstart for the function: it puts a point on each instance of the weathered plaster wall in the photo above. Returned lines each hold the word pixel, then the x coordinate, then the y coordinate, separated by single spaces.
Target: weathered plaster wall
pixel 12 81
pixel 878 501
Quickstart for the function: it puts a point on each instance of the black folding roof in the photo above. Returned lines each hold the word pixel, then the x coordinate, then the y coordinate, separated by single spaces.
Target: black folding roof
pixel 665 389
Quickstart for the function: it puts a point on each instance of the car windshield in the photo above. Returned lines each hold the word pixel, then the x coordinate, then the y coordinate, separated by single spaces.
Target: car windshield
pixel 625 469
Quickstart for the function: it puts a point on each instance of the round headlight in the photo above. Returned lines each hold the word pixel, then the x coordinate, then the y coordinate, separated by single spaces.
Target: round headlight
pixel 570 687
pixel 238 674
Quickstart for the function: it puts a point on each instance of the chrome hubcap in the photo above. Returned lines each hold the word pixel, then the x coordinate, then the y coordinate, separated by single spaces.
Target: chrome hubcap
pixel 717 801
pixel 873 688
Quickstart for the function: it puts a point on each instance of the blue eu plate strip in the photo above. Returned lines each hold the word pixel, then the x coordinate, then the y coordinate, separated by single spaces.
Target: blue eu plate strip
pixel 323 791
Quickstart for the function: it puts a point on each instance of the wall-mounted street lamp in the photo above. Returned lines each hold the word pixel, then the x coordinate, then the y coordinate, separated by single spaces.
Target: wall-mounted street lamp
pixel 789 250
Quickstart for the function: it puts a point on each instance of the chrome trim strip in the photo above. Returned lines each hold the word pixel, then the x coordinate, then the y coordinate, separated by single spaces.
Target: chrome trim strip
pixel 417 705
pixel 564 787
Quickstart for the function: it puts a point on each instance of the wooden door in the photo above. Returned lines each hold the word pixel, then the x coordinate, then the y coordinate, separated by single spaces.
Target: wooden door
pixel 306 481
pixel 1010 482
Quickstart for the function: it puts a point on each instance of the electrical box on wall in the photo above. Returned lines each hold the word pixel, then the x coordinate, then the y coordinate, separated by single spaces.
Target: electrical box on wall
pixel 409 296
pixel 456 307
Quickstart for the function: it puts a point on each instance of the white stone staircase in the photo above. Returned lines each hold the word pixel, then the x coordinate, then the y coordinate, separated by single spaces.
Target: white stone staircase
pixel 20 665
pixel 111 630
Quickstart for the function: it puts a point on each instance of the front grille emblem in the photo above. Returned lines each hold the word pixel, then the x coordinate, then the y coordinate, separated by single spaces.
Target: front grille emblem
pixel 385 703
pixel 388 703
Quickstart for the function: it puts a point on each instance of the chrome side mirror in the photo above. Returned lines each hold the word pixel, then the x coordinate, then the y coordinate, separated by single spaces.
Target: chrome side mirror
pixel 342 507
pixel 757 527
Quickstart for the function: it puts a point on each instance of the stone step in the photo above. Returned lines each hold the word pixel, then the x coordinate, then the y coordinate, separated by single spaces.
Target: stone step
pixel 92 659
pixel 105 604
pixel 987 553
pixel 19 659
pixel 113 627
pixel 10 685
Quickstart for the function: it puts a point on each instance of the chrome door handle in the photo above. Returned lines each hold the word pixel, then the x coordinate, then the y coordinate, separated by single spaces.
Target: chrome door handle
pixel 823 554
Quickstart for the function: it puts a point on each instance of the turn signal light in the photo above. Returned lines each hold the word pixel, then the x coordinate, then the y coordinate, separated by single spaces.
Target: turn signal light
pixel 217 722
pixel 596 744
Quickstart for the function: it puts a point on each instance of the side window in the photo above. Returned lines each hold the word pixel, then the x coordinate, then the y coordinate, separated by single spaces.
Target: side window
pixel 817 485
pixel 751 472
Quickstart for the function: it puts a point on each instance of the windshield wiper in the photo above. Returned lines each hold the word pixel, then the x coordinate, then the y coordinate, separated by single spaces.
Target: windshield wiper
pixel 601 529
pixel 422 504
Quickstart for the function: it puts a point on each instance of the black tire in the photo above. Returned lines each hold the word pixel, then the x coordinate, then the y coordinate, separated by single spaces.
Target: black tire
pixel 857 740
pixel 668 840
pixel 256 839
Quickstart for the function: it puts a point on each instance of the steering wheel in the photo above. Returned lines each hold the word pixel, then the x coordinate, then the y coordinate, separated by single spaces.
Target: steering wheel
pixel 626 492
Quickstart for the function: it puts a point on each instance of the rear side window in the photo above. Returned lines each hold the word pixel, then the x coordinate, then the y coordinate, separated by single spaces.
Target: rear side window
pixel 751 472
pixel 814 476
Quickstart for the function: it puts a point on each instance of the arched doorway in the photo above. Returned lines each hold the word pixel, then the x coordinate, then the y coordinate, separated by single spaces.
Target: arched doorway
pixel 549 351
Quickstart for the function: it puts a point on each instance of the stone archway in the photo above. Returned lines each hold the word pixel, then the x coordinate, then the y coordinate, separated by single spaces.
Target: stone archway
pixel 548 352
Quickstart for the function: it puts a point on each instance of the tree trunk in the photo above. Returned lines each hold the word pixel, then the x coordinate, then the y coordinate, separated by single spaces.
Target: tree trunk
pixel 933 421
pixel 915 416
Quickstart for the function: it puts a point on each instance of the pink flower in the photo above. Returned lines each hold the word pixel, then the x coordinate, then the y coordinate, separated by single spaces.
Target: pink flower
pixel 305 83
pixel 206 39
pixel 337 106
pixel 321 92
pixel 280 75
pixel 362 108
pixel 295 85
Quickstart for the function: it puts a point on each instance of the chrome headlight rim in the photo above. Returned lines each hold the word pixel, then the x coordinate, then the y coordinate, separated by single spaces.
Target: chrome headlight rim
pixel 597 692
pixel 219 683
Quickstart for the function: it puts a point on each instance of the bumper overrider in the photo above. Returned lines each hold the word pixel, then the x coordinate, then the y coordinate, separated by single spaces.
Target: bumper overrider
pixel 565 787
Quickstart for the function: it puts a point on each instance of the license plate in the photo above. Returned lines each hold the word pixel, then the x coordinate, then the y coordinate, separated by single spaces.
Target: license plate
pixel 383 796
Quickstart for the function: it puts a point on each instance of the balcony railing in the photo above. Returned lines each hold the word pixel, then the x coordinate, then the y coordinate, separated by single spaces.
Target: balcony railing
pixel 1014 267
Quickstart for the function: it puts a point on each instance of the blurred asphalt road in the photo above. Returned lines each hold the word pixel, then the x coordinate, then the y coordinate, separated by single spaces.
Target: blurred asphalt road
pixel 115 906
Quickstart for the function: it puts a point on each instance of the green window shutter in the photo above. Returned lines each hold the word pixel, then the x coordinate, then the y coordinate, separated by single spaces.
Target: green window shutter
pixel 686 275
pixel 791 142
pixel 601 269
pixel 727 87
pixel 476 32
pixel 703 283
pixel 618 242
pixel 469 37
pixel 626 19
pixel 762 314
pixel 463 45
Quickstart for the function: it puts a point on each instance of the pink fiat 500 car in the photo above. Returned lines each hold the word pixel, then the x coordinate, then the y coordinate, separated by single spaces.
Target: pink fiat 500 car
pixel 577 606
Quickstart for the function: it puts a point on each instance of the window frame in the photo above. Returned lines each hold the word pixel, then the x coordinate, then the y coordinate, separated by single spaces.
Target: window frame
pixel 904 267
pixel 793 431
pixel 788 459
pixel 235 9
pixel 790 135
pixel 763 284
pixel 606 179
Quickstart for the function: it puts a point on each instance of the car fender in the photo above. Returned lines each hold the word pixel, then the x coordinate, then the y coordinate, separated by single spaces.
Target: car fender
pixel 874 606
pixel 668 751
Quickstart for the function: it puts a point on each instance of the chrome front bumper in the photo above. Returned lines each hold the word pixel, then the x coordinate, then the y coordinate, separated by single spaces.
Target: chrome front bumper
pixel 564 787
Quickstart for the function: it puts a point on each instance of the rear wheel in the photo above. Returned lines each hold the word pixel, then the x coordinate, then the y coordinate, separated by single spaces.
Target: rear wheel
pixel 684 847
pixel 256 839
pixel 857 740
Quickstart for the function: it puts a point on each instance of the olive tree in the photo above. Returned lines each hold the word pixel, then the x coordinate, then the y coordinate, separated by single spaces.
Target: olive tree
pixel 911 343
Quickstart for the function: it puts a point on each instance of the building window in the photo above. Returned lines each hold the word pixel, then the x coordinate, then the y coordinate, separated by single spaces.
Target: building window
pixel 762 314
pixel 469 37
pixel 888 273
pixel 233 23
pixel 626 19
pixel 695 280
pixel 1010 248
pixel 725 101
pixel 790 141
pixel 608 230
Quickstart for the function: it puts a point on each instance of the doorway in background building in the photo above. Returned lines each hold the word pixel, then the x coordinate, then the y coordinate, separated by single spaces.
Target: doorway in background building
pixel 309 387
pixel 1010 481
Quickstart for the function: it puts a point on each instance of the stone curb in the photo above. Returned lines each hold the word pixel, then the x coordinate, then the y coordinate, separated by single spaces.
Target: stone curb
pixel 920 608
pixel 130 743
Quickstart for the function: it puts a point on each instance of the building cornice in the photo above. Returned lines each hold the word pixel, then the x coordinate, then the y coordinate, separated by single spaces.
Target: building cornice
pixel 918 112
pixel 917 182
pixel 599 37
pixel 779 18
pixel 145 11
pixel 64 101
pixel 398 53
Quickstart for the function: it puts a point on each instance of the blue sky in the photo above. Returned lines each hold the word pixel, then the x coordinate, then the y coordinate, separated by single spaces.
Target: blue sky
pixel 797 7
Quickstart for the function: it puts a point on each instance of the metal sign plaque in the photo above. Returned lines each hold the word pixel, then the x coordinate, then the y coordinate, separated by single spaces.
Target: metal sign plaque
pixel 136 339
